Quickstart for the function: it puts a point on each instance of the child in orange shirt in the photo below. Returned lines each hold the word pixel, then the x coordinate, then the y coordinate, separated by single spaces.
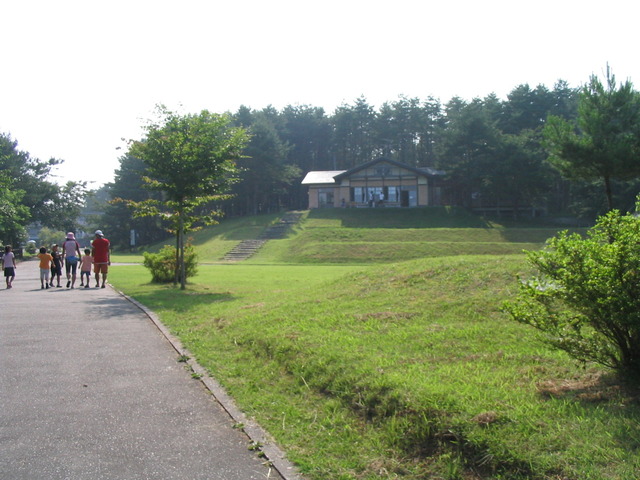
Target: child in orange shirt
pixel 45 267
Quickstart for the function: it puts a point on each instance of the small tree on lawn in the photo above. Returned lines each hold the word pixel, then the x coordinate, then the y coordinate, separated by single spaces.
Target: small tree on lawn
pixel 191 159
pixel 606 143
pixel 586 295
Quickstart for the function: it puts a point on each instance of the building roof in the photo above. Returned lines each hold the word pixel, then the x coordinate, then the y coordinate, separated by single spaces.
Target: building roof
pixel 426 171
pixel 331 177
pixel 321 177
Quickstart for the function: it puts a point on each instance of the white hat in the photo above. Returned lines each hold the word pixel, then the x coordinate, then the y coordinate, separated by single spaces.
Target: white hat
pixel 99 232
pixel 70 236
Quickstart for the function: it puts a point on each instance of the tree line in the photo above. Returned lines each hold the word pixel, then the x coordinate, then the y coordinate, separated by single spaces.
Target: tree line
pixel 472 141
pixel 563 150
pixel 501 151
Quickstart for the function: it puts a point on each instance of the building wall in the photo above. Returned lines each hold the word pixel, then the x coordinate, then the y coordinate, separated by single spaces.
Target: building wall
pixel 423 195
pixel 313 197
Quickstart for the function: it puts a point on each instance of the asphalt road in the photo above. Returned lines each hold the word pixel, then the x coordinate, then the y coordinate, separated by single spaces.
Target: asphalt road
pixel 91 389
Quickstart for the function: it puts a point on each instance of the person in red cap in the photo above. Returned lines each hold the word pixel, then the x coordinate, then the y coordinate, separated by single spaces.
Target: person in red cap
pixel 101 257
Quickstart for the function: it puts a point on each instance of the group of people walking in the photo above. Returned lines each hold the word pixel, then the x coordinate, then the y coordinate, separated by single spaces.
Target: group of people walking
pixel 69 257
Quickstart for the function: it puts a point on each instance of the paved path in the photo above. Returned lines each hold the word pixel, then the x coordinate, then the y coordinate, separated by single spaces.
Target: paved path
pixel 90 389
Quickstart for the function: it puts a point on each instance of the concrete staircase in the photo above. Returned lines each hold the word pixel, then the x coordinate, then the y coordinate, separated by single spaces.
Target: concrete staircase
pixel 246 248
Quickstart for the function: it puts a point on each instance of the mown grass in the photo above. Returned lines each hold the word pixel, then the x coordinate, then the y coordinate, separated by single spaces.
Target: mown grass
pixel 399 370
pixel 339 236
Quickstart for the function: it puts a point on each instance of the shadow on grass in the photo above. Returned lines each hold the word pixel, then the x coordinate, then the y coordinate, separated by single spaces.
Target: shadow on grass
pixel 618 396
pixel 172 299
pixel 177 300
pixel 422 217
pixel 535 234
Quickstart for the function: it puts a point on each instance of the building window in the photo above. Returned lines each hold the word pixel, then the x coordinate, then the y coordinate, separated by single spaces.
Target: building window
pixel 391 194
pixel 388 195
pixel 358 195
pixel 325 197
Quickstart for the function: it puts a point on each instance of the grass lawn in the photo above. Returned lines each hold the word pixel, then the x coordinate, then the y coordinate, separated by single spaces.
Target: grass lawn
pixel 398 369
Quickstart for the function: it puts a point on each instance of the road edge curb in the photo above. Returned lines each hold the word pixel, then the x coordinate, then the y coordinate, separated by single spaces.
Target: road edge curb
pixel 257 435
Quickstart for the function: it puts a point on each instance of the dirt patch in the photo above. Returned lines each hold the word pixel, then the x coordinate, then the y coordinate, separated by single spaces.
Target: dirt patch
pixel 592 387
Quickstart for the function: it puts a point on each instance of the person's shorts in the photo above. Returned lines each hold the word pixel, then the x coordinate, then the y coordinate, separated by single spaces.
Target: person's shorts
pixel 100 267
pixel 9 272
pixel 71 267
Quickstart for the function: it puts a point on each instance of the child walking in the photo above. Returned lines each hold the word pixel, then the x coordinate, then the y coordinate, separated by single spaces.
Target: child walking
pixel 45 267
pixel 56 265
pixel 9 264
pixel 85 267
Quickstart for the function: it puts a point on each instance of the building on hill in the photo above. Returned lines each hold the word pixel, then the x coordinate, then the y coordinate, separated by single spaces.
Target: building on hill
pixel 381 182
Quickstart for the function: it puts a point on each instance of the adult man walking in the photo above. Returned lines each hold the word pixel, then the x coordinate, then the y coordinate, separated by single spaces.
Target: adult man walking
pixel 101 257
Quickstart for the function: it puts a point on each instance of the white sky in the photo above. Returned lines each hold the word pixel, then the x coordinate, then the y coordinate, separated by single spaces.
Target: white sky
pixel 77 76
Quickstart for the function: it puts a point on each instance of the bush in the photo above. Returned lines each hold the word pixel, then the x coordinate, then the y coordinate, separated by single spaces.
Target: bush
pixel 586 296
pixel 47 237
pixel 163 264
pixel 31 247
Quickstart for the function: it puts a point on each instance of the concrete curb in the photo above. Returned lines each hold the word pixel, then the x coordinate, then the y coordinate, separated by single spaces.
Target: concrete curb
pixel 257 435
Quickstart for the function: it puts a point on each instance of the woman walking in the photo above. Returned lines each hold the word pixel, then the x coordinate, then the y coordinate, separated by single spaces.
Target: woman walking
pixel 71 247
pixel 9 264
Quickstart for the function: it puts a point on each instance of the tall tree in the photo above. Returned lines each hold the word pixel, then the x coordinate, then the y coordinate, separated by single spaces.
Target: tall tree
pixel 118 218
pixel 396 129
pixel 191 159
pixel 526 109
pixel 517 176
pixel 307 133
pixel 354 134
pixel 13 215
pixel 605 143
pixel 49 204
pixel 470 145
pixel 264 174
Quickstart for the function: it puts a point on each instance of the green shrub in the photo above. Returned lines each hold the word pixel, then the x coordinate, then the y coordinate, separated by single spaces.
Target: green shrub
pixel 47 237
pixel 31 247
pixel 163 264
pixel 586 296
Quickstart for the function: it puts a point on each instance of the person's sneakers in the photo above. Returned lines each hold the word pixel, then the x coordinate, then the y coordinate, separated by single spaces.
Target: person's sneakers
pixel 86 286
pixel 47 286
pixel 68 283
pixel 41 287
pixel 102 286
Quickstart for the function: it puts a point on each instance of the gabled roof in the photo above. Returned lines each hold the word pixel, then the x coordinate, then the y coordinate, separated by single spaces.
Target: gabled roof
pixel 424 171
pixel 326 177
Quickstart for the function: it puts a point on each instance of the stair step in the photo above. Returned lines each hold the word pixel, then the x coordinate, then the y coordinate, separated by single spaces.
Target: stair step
pixel 247 248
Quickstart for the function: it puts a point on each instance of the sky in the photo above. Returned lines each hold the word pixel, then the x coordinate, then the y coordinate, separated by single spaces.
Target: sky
pixel 77 77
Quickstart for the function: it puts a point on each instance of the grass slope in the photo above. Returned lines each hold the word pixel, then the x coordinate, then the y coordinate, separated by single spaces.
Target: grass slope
pixel 352 236
pixel 399 370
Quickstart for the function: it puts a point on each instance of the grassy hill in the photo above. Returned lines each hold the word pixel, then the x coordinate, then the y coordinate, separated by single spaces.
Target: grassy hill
pixel 371 344
pixel 364 236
